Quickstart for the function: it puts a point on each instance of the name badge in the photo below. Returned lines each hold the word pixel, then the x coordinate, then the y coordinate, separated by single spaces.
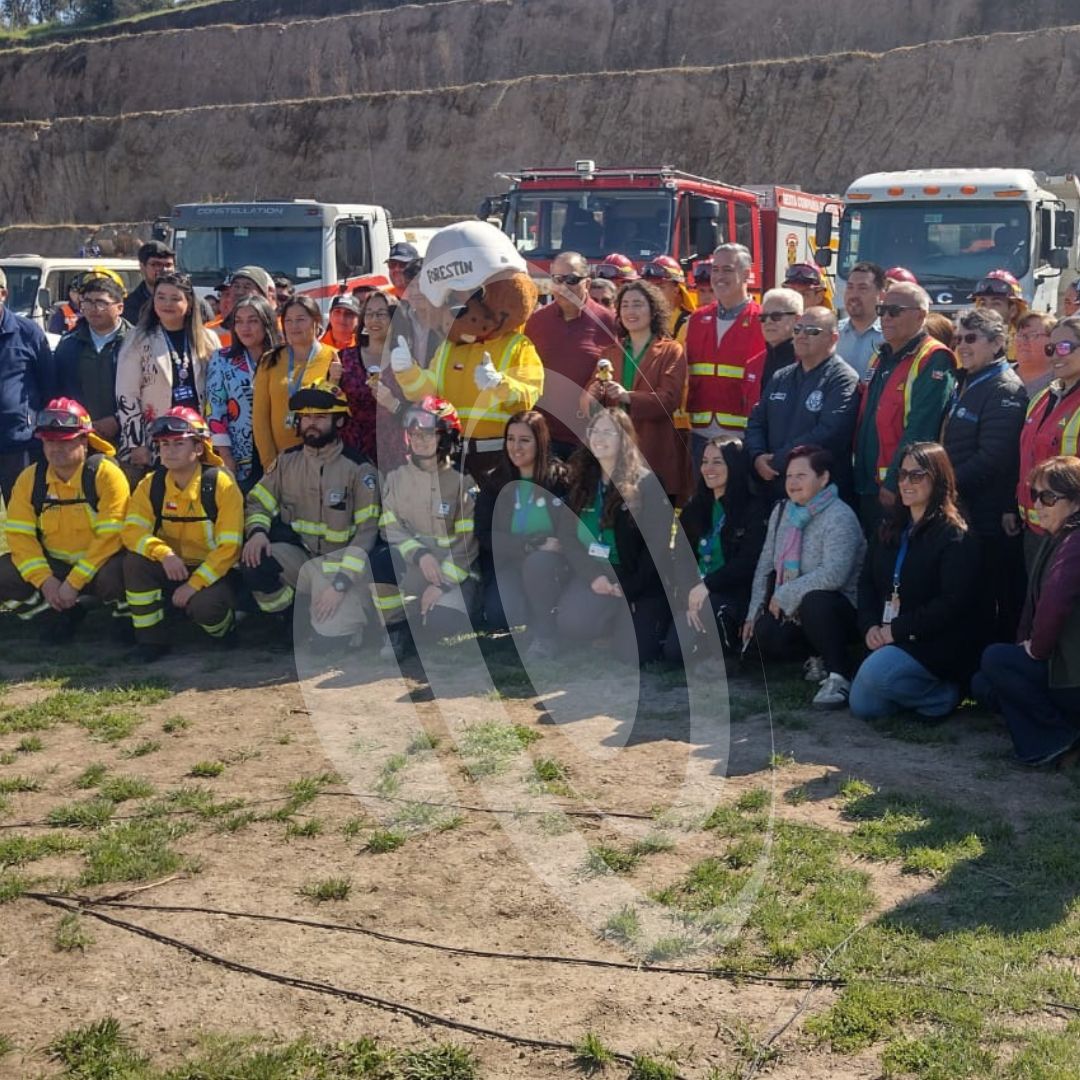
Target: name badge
pixel 599 551
pixel 443 510
pixel 335 499
pixel 891 610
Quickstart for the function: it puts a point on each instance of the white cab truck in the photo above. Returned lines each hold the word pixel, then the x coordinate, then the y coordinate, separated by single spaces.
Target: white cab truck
pixel 322 247
pixel 950 227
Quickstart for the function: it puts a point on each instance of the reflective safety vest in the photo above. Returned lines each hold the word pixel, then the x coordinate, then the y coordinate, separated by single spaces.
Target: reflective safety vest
pixel 483 414
pixel 1049 430
pixel 894 404
pixel 716 369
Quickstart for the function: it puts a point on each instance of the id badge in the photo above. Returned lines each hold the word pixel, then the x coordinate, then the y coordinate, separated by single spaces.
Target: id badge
pixel 335 500
pixel 443 510
pixel 891 610
pixel 599 551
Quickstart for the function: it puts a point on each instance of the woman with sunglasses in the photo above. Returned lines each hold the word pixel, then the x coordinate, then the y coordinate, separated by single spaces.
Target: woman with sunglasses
pixel 1035 685
pixel 520 561
pixel 725 528
pixel 780 310
pixel 1052 426
pixel 300 361
pixel 981 435
pixel 161 365
pixel 646 374
pixel 620 519
pixel 919 597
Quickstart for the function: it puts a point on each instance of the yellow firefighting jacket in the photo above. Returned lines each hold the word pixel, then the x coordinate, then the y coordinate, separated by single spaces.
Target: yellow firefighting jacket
pixel 68 528
pixel 431 513
pixel 328 496
pixel 212 547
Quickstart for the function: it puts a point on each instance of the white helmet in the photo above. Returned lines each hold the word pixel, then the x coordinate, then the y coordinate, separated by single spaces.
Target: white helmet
pixel 462 257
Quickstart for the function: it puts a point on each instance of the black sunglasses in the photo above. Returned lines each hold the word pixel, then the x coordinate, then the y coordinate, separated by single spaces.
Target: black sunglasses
pixel 1046 497
pixel 967 339
pixel 567 279
pixel 775 316
pixel 808 329
pixel 893 310
pixel 912 476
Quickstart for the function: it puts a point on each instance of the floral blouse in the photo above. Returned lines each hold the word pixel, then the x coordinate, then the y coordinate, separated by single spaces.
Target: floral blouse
pixel 228 407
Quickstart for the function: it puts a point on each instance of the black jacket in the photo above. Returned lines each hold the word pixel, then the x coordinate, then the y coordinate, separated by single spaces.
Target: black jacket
pixel 818 408
pixel 135 302
pixel 981 432
pixel 494 515
pixel 939 620
pixel 776 357
pixel 742 537
pixel 85 374
pixel 636 571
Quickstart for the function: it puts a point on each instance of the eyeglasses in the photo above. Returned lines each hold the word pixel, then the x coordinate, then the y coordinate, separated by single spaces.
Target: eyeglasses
pixel 968 339
pixel 775 316
pixel 1032 335
pixel 912 476
pixel 567 279
pixel 1061 348
pixel 385 315
pixel 96 305
pixel 1046 497
pixel 893 310
pixel 807 329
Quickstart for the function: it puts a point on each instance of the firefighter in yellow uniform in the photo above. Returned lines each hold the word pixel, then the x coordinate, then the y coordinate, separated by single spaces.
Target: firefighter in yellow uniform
pixel 428 523
pixel 63 526
pixel 182 534
pixel 312 521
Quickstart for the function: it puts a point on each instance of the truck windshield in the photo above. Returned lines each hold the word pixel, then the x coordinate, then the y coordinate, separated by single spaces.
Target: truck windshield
pixel 23 283
pixel 948 243
pixel 209 255
pixel 634 223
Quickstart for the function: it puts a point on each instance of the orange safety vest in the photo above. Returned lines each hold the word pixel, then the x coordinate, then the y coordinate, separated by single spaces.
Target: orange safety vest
pixel 1046 433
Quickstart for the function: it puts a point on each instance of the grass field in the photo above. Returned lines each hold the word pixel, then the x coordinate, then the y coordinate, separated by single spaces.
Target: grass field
pixel 217 870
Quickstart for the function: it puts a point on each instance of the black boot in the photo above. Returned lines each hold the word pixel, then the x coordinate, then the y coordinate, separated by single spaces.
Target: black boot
pixel 61 627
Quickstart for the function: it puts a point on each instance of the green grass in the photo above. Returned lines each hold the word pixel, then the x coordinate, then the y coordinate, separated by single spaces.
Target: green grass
pixel 98 1051
pixel 71 935
pixel 88 814
pixel 670 948
pixel 12 886
pixel 591 1055
pixel 7 1045
pixel 147 746
pixel 327 889
pixel 120 789
pixel 88 707
pixel 646 1067
pixel 133 851
pixel 91 776
pixel 19 850
pixel 111 727
pixel 198 801
pixel 608 859
pixel 175 724
pixel 488 747
pixel 12 785
pixel 30 744
pixel 354 826
pixel 381 841
pixel 303 829
pixel 206 770
pixel 623 927
pixel 446 1061
pixel 421 742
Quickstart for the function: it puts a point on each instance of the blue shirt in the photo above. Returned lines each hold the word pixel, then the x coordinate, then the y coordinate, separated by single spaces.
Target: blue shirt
pixel 855 348
pixel 26 379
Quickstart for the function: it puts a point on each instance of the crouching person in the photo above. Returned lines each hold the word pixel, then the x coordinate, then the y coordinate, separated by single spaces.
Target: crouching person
pixel 313 520
pixel 182 534
pixel 428 523
pixel 63 526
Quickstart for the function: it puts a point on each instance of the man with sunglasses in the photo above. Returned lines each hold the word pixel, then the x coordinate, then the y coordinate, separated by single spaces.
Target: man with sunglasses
pixel 312 521
pixel 912 376
pixel 721 341
pixel 86 358
pixel 63 525
pixel 813 402
pixel 570 334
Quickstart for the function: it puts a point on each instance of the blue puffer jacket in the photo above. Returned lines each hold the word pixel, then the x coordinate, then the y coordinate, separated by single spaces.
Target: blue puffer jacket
pixel 26 379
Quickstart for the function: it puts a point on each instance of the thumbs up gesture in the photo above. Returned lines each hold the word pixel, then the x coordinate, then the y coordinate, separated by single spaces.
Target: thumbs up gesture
pixel 485 376
pixel 400 356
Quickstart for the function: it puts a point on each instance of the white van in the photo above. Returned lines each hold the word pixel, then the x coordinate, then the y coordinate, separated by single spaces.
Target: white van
pixel 36 282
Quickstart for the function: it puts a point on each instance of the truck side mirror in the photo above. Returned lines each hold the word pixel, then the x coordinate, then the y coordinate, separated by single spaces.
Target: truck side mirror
pixel 706 237
pixel 823 231
pixel 1064 229
pixel 44 300
pixel 823 257
pixel 1058 258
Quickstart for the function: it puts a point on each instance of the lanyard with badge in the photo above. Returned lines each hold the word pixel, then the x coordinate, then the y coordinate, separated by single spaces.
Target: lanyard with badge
pixel 597 549
pixel 294 384
pixel 709 547
pixel 181 365
pixel 892 605
pixel 959 391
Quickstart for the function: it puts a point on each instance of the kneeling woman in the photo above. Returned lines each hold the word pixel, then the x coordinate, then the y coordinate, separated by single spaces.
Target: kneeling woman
pixel 620 517
pixel 515 525
pixel 813 552
pixel 1036 685
pixel 919 596
pixel 725 528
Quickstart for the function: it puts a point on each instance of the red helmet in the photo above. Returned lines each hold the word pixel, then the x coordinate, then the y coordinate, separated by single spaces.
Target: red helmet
pixel 616 267
pixel 180 422
pixel 999 283
pixel 663 268
pixel 898 273
pixel 63 418
pixel 433 413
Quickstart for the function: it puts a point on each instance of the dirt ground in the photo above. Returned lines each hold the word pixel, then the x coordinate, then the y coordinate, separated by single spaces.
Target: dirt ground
pixel 512 881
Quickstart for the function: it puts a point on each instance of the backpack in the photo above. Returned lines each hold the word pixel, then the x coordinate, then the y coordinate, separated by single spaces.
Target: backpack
pixel 207 496
pixel 39 492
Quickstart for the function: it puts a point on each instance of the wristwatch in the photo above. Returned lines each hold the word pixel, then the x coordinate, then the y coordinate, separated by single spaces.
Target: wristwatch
pixel 342 583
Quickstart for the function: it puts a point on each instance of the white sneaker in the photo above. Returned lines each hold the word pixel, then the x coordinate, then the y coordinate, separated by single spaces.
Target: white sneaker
pixel 833 693
pixel 814 670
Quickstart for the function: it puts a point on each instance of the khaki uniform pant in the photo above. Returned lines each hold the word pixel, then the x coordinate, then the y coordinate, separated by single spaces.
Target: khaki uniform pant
pixel 148 590
pixel 398 585
pixel 302 574
pixel 19 596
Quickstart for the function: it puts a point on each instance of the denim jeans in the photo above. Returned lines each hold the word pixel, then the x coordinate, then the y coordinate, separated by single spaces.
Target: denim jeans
pixel 890 681
pixel 1042 722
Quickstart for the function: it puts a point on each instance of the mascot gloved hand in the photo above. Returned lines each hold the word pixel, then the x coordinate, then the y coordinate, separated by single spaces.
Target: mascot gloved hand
pixel 400 356
pixel 485 376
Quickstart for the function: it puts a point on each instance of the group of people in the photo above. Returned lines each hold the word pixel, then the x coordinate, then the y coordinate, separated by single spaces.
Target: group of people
pixel 890 495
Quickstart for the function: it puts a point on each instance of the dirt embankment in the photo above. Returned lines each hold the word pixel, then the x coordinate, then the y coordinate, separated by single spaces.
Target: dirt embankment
pixel 433 45
pixel 819 121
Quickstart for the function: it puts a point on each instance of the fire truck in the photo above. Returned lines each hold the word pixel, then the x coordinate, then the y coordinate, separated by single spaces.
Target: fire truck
pixel 642 213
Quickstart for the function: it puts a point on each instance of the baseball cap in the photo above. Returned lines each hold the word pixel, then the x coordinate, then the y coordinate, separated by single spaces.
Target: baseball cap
pixel 402 252
pixel 347 300
pixel 803 274
pixel 256 274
